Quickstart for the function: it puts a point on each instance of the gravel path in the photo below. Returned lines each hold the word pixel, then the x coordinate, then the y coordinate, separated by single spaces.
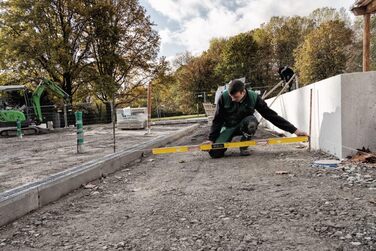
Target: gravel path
pixel 271 200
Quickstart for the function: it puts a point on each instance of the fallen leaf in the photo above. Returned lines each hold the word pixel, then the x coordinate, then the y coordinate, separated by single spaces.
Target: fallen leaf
pixel 364 156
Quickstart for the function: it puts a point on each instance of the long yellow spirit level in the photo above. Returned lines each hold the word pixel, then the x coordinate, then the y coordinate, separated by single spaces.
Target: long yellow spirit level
pixel 207 147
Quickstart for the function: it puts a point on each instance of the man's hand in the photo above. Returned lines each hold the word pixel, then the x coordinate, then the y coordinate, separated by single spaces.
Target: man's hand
pixel 300 133
pixel 207 142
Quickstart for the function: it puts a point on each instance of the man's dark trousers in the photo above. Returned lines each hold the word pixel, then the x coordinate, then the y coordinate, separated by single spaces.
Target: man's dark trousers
pixel 246 128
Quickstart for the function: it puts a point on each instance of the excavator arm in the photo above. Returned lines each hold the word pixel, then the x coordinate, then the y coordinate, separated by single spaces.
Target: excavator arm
pixel 40 90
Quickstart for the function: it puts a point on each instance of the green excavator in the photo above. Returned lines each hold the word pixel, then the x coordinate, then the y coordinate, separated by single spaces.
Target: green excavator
pixel 11 113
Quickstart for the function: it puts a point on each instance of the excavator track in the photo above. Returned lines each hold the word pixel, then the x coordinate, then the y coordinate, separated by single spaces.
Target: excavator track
pixel 12 131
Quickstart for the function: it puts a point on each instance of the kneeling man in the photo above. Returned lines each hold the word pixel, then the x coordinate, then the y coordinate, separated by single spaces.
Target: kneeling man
pixel 234 116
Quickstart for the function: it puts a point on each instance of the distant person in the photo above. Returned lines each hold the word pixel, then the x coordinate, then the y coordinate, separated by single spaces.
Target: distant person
pixel 234 116
pixel 285 73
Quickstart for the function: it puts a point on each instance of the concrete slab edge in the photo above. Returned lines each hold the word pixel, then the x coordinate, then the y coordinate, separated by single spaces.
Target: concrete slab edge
pixel 181 121
pixel 19 201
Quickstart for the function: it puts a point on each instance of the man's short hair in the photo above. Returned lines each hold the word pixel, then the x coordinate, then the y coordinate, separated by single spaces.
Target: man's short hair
pixel 236 86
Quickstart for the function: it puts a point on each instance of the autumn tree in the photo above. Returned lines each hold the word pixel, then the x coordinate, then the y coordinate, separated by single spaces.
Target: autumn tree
pixel 238 57
pixel 324 52
pixel 166 93
pixel 47 38
pixel 322 15
pixel 195 76
pixel 286 34
pixel 124 48
pixel 262 71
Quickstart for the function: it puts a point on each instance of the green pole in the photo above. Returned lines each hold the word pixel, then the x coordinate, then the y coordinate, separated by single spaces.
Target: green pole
pixel 80 132
pixel 19 131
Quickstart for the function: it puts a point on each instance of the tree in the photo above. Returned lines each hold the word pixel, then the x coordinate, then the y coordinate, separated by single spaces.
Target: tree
pixel 324 52
pixel 166 93
pixel 238 58
pixel 124 47
pixel 326 14
pixel 195 76
pixel 262 71
pixel 49 38
pixel 216 47
pixel 286 34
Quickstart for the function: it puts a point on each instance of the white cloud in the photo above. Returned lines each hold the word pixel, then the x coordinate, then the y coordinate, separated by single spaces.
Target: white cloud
pixel 167 36
pixel 181 9
pixel 197 32
pixel 202 20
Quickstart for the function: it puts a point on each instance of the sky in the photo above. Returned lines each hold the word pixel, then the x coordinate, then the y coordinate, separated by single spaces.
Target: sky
pixel 189 25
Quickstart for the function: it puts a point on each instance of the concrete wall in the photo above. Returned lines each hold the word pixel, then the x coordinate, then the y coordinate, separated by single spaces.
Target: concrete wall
pixel 343 112
pixel 359 111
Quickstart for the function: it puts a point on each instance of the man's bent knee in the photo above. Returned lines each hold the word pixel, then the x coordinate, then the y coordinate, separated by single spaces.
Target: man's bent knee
pixel 249 125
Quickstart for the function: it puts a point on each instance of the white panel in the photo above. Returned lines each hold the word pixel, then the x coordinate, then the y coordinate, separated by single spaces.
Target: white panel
pixel 359 112
pixel 326 113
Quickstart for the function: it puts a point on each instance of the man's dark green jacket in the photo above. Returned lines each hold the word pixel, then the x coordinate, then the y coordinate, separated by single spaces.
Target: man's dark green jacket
pixel 230 114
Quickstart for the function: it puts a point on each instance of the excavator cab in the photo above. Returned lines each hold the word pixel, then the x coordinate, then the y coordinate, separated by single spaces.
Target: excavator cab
pixel 10 112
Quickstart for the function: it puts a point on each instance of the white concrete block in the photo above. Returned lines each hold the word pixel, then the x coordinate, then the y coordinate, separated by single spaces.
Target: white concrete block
pixel 343 112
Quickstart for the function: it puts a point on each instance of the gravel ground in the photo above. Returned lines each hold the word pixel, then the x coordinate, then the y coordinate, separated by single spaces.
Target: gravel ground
pixel 271 200
pixel 36 157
